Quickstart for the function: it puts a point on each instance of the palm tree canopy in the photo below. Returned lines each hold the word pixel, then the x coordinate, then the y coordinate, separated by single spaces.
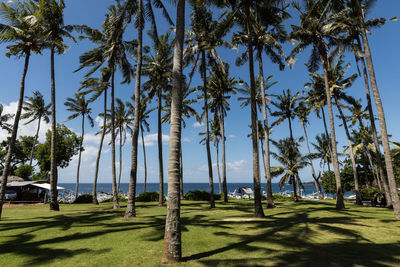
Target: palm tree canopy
pixel 4 118
pixel 79 107
pixel 35 108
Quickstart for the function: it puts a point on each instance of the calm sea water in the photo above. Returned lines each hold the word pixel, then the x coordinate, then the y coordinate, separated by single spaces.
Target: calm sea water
pixel 86 188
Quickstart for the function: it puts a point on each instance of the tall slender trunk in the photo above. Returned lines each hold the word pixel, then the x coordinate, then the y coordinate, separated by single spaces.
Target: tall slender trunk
pixel 131 206
pixel 144 159
pixel 209 161
pixel 11 145
pixel 258 210
pixel 181 171
pixel 374 131
pixel 160 155
pixel 172 236
pixel 103 133
pixel 335 160
pixel 222 126
pixel 53 163
pixel 270 200
pixel 382 122
pixel 353 160
pixel 120 158
pixel 316 182
pixel 295 196
pixel 218 172
pixel 34 142
pixel 79 158
pixel 113 174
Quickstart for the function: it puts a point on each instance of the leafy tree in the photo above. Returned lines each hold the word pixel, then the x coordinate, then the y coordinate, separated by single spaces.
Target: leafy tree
pixel 21 153
pixel 24 171
pixel 68 145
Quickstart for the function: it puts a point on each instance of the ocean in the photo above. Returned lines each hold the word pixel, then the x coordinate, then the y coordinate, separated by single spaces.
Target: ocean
pixel 87 188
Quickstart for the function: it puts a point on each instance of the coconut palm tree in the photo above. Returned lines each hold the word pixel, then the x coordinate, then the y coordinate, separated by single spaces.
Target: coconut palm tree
pixel 204 37
pixel 140 11
pixel 292 161
pixel 21 27
pixel 302 112
pixel 97 86
pixel 113 51
pixel 80 108
pixel 215 137
pixel 158 69
pixel 187 111
pixel 315 30
pixel 220 85
pixel 172 237
pixel 55 30
pixel 359 12
pixel 35 109
pixel 144 126
pixel 4 118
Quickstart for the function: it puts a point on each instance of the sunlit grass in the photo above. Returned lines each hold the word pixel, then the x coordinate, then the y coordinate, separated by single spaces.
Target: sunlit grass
pixel 301 234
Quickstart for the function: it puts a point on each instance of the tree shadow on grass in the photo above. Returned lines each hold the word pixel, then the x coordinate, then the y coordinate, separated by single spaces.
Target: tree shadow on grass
pixel 300 244
pixel 27 242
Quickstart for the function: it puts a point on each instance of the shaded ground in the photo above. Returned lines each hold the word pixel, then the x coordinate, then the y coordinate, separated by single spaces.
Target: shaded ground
pixel 296 234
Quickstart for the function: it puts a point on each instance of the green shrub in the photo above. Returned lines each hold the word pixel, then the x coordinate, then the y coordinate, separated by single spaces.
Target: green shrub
pixel 368 193
pixel 148 197
pixel 85 198
pixel 121 198
pixel 279 197
pixel 200 195
pixel 24 171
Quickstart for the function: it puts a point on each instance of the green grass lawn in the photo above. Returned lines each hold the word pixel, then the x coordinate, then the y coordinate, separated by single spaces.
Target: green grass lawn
pixel 302 234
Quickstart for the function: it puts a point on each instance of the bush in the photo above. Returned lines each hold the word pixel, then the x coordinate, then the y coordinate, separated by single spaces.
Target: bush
pixel 279 197
pixel 121 198
pixel 85 198
pixel 148 197
pixel 200 195
pixel 368 193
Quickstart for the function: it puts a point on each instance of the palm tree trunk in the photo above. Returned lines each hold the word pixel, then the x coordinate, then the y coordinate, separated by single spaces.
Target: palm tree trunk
pixel 53 163
pixel 131 207
pixel 258 210
pixel 103 133
pixel 270 200
pixel 382 122
pixel 113 174
pixel 295 196
pixel 11 144
pixel 79 158
pixel 120 158
pixel 316 182
pixel 181 171
pixel 172 237
pixel 335 160
pixel 209 161
pixel 374 131
pixel 144 159
pixel 222 126
pixel 160 155
pixel 34 142
pixel 353 160
pixel 218 172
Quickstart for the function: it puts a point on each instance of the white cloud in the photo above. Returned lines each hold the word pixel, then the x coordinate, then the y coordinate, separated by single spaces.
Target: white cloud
pixel 197 124
pixel 186 139
pixel 24 130
pixel 231 136
pixel 236 165
pixel 151 139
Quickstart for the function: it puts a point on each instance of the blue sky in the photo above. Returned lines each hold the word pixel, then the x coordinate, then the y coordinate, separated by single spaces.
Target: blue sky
pixel 384 43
